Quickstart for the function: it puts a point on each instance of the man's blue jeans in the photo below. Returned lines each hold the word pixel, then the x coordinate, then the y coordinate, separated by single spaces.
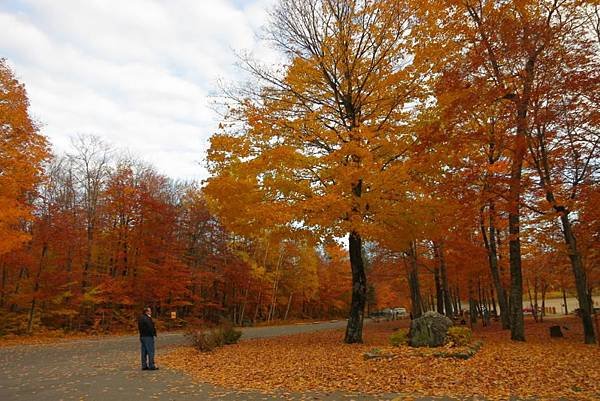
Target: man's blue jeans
pixel 147 352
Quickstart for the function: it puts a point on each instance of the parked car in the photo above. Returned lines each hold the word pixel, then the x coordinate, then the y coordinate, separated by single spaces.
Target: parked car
pixel 389 314
pixel 400 312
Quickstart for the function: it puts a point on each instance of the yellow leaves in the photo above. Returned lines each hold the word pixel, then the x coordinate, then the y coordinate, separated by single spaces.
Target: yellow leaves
pixel 336 118
pixel 304 74
pixel 226 148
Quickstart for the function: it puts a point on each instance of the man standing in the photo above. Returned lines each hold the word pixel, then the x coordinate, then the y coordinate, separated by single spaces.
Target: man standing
pixel 147 334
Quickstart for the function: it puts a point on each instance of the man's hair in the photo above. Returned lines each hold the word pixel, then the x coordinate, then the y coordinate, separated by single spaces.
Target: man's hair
pixel 147 308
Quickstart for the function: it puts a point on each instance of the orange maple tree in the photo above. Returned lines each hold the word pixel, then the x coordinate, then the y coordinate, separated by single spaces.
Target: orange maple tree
pixel 22 151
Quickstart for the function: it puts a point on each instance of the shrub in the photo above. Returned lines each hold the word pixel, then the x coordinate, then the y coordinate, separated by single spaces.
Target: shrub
pixel 399 338
pixel 203 341
pixel 207 340
pixel 16 324
pixel 231 335
pixel 460 336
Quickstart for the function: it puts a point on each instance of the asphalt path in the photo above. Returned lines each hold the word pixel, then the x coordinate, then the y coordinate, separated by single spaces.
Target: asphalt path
pixel 108 368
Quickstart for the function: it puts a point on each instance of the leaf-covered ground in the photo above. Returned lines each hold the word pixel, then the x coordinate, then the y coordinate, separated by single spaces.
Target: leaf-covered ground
pixel 543 368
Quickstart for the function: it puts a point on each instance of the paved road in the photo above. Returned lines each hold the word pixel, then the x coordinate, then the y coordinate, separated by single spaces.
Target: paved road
pixel 108 369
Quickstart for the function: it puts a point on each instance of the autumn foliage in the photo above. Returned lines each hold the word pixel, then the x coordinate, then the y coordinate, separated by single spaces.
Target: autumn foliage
pixel 90 237
pixel 448 141
pixel 435 155
pixel 22 151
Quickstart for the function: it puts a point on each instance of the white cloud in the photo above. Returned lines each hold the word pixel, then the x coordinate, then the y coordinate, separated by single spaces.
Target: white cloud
pixel 137 73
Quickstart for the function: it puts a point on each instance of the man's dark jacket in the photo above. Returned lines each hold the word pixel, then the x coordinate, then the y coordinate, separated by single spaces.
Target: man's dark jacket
pixel 146 326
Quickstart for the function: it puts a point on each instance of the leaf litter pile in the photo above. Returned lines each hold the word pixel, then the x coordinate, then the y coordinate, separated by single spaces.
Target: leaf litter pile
pixel 543 368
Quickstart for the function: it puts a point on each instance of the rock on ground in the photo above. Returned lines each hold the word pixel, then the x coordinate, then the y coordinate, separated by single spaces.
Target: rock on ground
pixel 429 330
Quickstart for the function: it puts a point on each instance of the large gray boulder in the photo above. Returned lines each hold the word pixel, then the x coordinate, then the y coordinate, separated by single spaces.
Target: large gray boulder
pixel 429 330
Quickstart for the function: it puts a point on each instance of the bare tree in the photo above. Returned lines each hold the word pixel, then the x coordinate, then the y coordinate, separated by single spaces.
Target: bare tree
pixel 91 161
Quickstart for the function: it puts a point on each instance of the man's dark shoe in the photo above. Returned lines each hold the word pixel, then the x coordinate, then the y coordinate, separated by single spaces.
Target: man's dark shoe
pixel 145 368
pixel 154 368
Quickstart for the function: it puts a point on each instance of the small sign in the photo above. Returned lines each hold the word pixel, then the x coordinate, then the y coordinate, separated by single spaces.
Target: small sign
pixel 173 315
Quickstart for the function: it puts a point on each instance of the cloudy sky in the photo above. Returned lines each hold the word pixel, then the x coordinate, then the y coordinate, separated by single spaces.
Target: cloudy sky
pixel 141 74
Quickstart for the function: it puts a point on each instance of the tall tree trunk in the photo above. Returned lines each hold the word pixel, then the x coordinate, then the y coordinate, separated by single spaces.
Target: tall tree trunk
pixel 88 258
pixel 574 254
pixel 517 322
pixel 492 251
pixel 36 287
pixel 125 254
pixel 493 301
pixel 444 303
pixel 359 290
pixel 544 289
pixel 472 306
pixel 273 302
pixel 533 311
pixel 444 277
pixel 535 298
pixel 458 302
pixel 439 296
pixel 413 281
pixel 243 308
pixel 258 304
pixel 580 280
pixel 287 310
